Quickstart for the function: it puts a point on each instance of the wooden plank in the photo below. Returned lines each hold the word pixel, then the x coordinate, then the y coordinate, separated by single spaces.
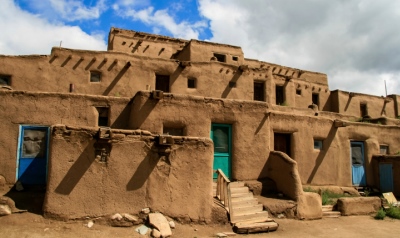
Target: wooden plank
pixel 256 227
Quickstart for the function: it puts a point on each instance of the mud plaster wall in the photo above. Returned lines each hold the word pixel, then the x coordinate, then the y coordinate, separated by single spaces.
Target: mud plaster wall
pixel 395 161
pixel 349 104
pixel 135 176
pixel 254 125
pixel 28 108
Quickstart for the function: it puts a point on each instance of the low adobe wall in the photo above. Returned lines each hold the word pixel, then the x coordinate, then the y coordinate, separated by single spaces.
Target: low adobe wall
pixel 138 173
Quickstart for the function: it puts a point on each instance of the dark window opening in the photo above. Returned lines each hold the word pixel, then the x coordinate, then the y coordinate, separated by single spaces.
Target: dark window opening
pixel 318 144
pixel 220 57
pixel 384 149
pixel 235 58
pixel 282 143
pixel 363 110
pixel 279 93
pixel 191 83
pixel 95 77
pixel 298 91
pixel 5 80
pixel 103 116
pixel 315 99
pixel 162 83
pixel 232 84
pixel 259 91
pixel 173 131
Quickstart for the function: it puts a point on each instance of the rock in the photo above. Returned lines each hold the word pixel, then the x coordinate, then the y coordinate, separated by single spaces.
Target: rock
pixel 146 210
pixel 172 224
pixel 5 210
pixel 116 216
pixel 156 233
pixel 221 235
pixel 158 221
pixel 18 186
pixel 142 229
pixel 90 224
pixel 229 233
pixel 131 218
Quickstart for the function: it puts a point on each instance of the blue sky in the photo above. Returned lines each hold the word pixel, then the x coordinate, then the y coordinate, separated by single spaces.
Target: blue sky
pixel 355 42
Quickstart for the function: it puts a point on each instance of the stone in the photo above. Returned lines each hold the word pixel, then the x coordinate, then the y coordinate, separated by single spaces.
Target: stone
pixel 146 210
pixel 158 221
pixel 90 224
pixel 309 206
pixel 131 218
pixel 116 216
pixel 142 229
pixel 172 224
pixel 221 235
pixel 229 233
pixel 5 210
pixel 155 233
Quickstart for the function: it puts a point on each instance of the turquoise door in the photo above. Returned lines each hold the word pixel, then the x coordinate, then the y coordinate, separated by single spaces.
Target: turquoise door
pixel 386 177
pixel 357 163
pixel 32 155
pixel 221 134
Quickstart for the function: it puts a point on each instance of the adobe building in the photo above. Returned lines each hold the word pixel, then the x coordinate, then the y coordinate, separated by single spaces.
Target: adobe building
pixel 145 124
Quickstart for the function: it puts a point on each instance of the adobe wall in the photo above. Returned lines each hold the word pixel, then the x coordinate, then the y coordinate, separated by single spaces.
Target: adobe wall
pixel 139 173
pixel 30 108
pixel 349 104
pixel 254 125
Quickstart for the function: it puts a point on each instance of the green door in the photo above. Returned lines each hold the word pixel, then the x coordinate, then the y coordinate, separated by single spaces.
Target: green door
pixel 221 134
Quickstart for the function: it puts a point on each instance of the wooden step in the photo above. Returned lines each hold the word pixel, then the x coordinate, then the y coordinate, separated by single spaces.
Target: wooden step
pixel 244 197
pixel 240 195
pixel 255 227
pixel 258 216
pixel 331 214
pixel 248 210
pixel 246 206
pixel 236 184
pixel 327 208
pixel 235 190
pixel 245 202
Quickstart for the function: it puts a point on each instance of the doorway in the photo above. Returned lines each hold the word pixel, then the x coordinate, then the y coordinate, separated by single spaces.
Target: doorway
pixel 282 143
pixel 357 163
pixel 386 177
pixel 221 135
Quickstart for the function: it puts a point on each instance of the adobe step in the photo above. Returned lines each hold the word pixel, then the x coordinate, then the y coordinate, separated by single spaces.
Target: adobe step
pixel 243 203
pixel 235 190
pixel 331 214
pixel 247 228
pixel 238 207
pixel 240 195
pixel 243 197
pixel 254 217
pixel 327 208
pixel 236 184
pixel 247 210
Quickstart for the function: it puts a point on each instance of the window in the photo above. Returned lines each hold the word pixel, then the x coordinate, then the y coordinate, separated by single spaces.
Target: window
pixel 384 149
pixel 191 83
pixel 5 80
pixel 315 99
pixel 220 57
pixel 259 91
pixel 298 92
pixel 279 93
pixel 235 58
pixel 95 77
pixel 363 109
pixel 103 116
pixel 318 144
pixel 162 82
pixel 173 131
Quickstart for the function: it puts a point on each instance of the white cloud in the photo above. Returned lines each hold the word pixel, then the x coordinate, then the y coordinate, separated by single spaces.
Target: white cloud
pixel 25 33
pixel 355 42
pixel 161 20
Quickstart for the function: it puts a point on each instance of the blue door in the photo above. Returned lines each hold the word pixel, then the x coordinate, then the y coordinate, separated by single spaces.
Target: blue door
pixel 386 177
pixel 357 163
pixel 221 134
pixel 32 155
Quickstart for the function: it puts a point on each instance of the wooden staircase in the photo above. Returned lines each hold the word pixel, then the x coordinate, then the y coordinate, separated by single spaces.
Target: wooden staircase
pixel 329 212
pixel 246 214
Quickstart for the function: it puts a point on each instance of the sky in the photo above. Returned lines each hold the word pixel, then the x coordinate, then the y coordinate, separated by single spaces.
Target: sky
pixel 355 42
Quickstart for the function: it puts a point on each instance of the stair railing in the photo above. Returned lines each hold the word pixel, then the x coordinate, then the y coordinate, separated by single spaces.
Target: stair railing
pixel 224 190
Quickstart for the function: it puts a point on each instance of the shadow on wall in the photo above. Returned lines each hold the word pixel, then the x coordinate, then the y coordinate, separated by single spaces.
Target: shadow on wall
pixel 228 87
pixel 144 111
pixel 117 79
pixel 174 76
pixel 122 121
pixel 144 170
pixel 77 170
pixel 327 143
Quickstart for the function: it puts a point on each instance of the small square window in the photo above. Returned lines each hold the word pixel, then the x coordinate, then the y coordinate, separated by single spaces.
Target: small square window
pixel 384 149
pixel 232 84
pixel 5 80
pixel 235 58
pixel 191 83
pixel 298 91
pixel 318 144
pixel 173 131
pixel 95 77
pixel 103 116
pixel 220 57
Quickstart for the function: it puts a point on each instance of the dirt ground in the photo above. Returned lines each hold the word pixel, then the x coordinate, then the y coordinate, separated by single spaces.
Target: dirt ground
pixel 34 225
